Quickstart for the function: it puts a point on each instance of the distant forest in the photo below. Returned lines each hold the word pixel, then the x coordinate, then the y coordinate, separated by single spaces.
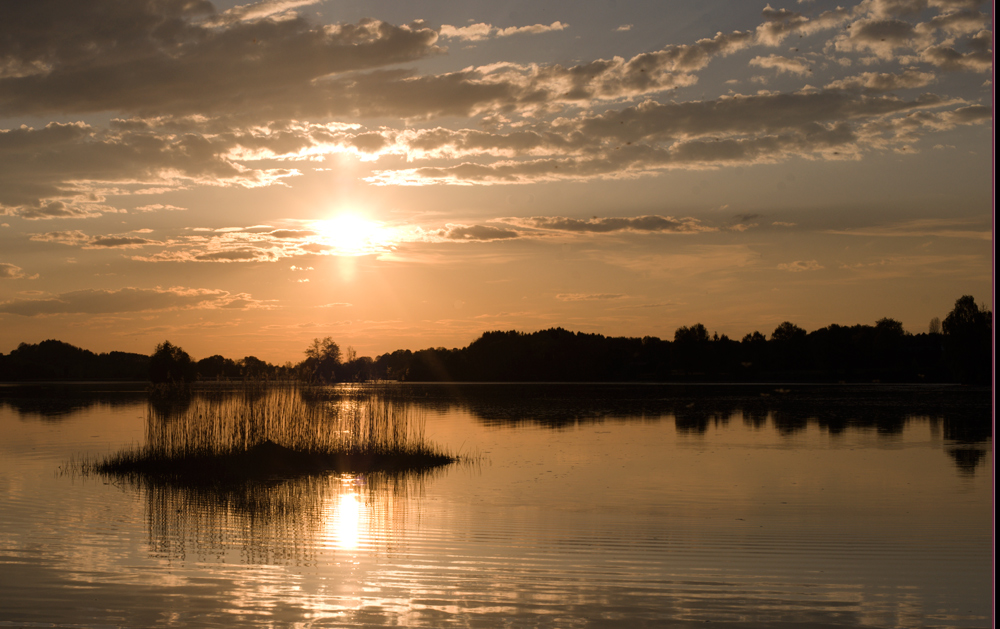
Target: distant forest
pixel 959 349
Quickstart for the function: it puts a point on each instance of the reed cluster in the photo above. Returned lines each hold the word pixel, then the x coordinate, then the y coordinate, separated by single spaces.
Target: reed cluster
pixel 278 431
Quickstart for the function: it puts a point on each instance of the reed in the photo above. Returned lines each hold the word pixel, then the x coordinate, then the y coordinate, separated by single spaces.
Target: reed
pixel 278 432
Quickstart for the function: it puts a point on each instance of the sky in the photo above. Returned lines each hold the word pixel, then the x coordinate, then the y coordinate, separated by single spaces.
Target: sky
pixel 242 178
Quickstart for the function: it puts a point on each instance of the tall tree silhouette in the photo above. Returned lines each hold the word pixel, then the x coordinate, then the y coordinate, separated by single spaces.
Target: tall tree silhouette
pixel 968 330
pixel 171 364
pixel 322 360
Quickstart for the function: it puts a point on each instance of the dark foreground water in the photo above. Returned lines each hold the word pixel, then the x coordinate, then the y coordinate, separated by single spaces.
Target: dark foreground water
pixel 589 505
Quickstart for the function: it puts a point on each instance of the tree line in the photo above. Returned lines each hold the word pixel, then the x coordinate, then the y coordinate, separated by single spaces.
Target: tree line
pixel 959 349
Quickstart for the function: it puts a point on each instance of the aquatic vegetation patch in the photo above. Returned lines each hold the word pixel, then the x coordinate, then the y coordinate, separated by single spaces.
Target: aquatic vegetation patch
pixel 277 432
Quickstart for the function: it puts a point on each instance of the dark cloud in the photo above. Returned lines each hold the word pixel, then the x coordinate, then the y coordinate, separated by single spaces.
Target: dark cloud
pixel 218 99
pixel 612 224
pixel 762 128
pixel 124 300
pixel 238 255
pixel 78 238
pixel 880 36
pixel 65 170
pixel 176 56
pixel 474 233
pixel 980 59
pixel 292 233
pixel 124 242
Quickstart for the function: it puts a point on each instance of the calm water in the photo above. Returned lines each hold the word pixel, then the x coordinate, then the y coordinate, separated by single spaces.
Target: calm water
pixel 623 506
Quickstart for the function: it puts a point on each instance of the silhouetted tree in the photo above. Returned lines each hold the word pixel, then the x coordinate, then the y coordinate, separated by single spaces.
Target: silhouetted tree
pixel 890 357
pixel 324 349
pixel 788 346
pixel 170 364
pixel 697 333
pixel 935 326
pixel 968 332
pixel 393 366
pixel 322 361
pixel 788 331
pixel 253 368
pixel 217 368
pixel 691 349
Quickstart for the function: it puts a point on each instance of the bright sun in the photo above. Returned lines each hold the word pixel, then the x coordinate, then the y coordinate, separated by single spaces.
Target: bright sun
pixel 351 235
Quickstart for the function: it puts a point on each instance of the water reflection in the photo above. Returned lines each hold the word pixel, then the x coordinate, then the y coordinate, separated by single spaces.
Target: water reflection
pixel 964 413
pixel 59 401
pixel 689 508
pixel 279 523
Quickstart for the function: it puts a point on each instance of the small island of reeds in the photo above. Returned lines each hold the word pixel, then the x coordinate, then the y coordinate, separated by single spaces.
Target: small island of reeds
pixel 269 433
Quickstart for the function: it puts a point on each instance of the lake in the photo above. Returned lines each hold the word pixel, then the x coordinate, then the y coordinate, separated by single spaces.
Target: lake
pixel 576 506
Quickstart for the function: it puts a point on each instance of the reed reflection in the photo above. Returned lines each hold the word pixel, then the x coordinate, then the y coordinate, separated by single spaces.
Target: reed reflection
pixel 278 499
pixel 289 522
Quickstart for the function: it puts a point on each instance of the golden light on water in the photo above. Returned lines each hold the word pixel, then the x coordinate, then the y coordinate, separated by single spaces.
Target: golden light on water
pixel 351 234
pixel 345 522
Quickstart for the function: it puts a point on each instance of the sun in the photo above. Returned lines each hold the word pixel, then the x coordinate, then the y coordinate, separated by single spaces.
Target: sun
pixel 353 235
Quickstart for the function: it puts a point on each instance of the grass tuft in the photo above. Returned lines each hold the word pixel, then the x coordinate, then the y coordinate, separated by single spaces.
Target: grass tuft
pixel 277 432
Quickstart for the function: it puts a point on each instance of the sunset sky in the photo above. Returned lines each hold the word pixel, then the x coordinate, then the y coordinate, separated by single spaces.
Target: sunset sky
pixel 240 179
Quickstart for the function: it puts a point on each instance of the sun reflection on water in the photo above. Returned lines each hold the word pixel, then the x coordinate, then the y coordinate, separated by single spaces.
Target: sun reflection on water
pixel 345 523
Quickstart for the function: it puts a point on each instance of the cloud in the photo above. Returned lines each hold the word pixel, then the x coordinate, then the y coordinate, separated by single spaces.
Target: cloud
pixel 239 255
pixel 801 265
pixel 66 170
pixel 781 23
pixel 119 242
pixel 924 227
pixel 798 65
pixel 158 207
pixel 882 37
pixel 652 136
pixel 124 59
pixel 979 59
pixel 200 97
pixel 644 224
pixel 961 22
pixel 79 239
pixel 624 28
pixel 884 81
pixel 892 8
pixel 10 272
pixel 292 234
pixel 259 11
pixel 468 233
pixel 177 57
pixel 480 31
pixel 590 296
pixel 74 237
pixel 127 300
pixel 262 243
